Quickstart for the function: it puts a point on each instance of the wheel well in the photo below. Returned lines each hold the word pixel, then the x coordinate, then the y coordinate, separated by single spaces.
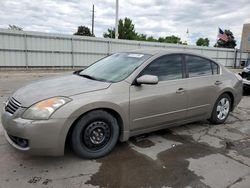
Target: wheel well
pixel 111 111
pixel 232 99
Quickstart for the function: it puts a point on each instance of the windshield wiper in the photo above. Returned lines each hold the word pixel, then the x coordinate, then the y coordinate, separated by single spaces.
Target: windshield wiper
pixel 87 76
pixel 94 78
pixel 78 71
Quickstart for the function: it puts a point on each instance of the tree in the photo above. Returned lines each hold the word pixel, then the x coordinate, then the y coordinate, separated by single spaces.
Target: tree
pixel 141 37
pixel 231 43
pixel 161 39
pixel 202 42
pixel 110 33
pixel 83 31
pixel 171 39
pixel 151 39
pixel 126 30
pixel 15 28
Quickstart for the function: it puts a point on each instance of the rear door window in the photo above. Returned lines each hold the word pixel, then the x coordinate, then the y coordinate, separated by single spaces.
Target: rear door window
pixel 198 66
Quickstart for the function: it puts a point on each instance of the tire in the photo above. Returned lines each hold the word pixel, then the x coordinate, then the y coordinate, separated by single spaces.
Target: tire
pixel 95 134
pixel 221 110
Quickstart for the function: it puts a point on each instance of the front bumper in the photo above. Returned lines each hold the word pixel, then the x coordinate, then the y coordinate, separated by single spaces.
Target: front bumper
pixel 44 136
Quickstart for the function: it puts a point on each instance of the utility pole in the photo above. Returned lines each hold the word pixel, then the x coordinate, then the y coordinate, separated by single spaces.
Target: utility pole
pixel 93 18
pixel 116 19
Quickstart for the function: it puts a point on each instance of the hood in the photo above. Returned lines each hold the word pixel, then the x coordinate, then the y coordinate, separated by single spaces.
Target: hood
pixel 66 85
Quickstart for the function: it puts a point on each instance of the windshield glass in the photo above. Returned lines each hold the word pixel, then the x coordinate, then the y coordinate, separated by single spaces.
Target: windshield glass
pixel 114 68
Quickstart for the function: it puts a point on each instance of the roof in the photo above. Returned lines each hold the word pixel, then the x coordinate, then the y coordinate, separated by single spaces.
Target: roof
pixel 150 51
pixel 165 51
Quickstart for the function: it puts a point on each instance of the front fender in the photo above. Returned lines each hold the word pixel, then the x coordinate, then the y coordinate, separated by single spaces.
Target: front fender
pixel 84 103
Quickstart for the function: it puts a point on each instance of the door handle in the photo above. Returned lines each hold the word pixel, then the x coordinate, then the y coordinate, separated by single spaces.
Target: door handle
pixel 217 82
pixel 180 90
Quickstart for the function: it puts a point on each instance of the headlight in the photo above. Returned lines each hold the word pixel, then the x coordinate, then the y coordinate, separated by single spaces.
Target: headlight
pixel 238 76
pixel 44 109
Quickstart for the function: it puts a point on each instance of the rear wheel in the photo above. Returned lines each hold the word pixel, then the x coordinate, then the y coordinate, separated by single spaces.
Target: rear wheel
pixel 95 134
pixel 221 109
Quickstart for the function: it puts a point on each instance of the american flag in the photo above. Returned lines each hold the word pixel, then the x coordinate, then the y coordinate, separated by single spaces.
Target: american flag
pixel 222 35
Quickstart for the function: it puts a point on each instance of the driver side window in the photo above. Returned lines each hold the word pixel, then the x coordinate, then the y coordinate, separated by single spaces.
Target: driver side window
pixel 168 67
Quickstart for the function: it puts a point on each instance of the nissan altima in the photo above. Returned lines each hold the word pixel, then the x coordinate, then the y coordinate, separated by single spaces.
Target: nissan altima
pixel 122 95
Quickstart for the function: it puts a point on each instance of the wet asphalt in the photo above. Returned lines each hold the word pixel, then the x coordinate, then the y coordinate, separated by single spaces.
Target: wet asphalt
pixel 192 155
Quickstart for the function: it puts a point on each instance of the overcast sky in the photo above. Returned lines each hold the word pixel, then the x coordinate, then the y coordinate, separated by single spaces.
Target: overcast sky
pixel 151 17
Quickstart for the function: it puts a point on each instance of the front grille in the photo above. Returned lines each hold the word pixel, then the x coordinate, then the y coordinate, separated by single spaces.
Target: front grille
pixel 12 106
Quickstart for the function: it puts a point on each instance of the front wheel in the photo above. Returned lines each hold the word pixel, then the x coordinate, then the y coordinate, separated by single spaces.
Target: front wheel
pixel 221 109
pixel 95 134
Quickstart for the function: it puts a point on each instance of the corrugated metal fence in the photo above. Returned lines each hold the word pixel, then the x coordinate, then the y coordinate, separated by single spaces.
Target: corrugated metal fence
pixel 35 49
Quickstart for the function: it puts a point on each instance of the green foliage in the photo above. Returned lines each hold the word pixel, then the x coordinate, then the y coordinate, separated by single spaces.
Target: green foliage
pixel 83 31
pixel 231 43
pixel 171 39
pixel 161 39
pixel 15 28
pixel 202 42
pixel 126 30
pixel 141 37
pixel 151 39
pixel 109 34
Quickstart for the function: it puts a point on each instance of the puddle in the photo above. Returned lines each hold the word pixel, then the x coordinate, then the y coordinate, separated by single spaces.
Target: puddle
pixel 125 167
pixel 145 143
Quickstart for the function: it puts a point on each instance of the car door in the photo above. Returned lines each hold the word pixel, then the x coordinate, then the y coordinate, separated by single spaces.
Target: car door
pixel 203 84
pixel 163 103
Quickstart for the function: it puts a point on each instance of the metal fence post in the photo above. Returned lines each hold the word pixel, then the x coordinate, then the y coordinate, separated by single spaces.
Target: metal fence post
pixel 109 47
pixel 26 51
pixel 235 57
pixel 72 53
pixel 226 58
pixel 217 55
pixel 240 56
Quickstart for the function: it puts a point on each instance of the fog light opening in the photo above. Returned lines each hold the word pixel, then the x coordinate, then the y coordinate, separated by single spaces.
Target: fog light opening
pixel 20 141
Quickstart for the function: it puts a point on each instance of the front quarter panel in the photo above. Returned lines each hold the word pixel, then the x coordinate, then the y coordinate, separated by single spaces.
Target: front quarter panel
pixel 116 98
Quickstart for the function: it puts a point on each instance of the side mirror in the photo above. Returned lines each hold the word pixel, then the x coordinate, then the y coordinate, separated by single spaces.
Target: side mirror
pixel 147 79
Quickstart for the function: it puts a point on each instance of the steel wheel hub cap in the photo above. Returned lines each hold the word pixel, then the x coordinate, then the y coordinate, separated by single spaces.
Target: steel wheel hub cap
pixel 223 108
pixel 96 135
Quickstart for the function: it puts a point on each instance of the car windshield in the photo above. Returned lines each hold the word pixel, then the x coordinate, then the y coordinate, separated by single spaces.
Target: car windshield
pixel 114 68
